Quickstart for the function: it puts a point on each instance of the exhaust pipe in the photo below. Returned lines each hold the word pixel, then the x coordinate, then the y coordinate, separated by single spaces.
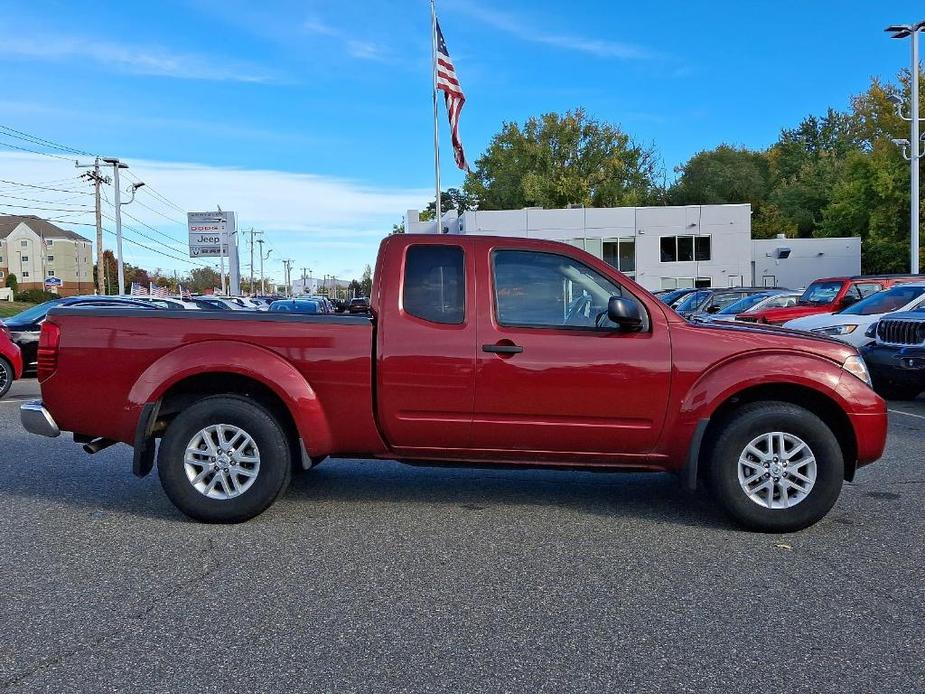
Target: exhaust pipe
pixel 97 445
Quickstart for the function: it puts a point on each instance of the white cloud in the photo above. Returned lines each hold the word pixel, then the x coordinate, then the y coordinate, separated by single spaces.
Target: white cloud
pixel 364 50
pixel 323 222
pixel 133 59
pixel 523 29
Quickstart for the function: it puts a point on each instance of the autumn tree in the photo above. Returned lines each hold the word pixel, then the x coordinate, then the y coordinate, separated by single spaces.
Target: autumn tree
pixel 554 160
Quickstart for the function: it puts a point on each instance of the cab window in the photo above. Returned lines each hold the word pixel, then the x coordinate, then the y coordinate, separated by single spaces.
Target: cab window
pixel 547 290
pixel 435 284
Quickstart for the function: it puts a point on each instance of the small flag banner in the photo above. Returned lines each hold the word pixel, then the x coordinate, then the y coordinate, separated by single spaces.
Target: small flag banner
pixel 138 290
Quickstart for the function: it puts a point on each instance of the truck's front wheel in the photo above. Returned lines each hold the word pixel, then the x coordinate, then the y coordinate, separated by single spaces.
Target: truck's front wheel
pixel 224 460
pixel 776 467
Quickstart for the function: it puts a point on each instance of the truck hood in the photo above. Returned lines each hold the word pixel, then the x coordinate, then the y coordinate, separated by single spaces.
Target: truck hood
pixel 775 337
pixel 782 315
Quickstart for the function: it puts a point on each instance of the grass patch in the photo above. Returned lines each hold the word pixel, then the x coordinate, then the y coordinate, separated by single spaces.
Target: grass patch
pixel 11 308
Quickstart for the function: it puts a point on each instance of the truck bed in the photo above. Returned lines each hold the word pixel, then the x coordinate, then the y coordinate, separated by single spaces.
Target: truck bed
pixel 121 358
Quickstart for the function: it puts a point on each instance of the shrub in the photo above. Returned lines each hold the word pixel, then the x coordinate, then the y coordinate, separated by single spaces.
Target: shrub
pixel 35 296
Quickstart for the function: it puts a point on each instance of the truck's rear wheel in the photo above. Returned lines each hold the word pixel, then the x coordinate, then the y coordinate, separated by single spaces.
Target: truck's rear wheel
pixel 6 376
pixel 776 467
pixel 224 460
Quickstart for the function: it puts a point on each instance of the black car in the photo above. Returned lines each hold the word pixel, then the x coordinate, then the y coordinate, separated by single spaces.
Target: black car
pixel 25 326
pixel 897 359
pixel 358 305
pixel 672 297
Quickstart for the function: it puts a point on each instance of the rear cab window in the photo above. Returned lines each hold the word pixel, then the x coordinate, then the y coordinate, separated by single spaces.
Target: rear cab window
pixel 434 283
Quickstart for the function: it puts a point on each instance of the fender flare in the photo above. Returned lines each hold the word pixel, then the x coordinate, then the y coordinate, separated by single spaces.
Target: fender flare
pixel 242 359
pixel 766 367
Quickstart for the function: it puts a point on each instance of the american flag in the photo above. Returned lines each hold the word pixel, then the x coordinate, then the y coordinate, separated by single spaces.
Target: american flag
pixel 448 83
pixel 138 290
pixel 160 292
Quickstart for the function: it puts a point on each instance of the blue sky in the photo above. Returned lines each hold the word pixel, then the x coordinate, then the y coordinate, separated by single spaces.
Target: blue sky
pixel 312 119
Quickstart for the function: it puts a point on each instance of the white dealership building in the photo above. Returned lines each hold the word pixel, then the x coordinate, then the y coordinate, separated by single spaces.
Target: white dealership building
pixel 669 247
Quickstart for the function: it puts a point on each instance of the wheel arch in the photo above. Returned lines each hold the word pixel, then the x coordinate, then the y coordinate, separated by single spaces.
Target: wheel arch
pixel 814 400
pixel 234 368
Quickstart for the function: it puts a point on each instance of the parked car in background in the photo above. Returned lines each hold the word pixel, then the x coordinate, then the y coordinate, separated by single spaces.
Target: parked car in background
pixel 672 297
pixel 308 306
pixel 10 360
pixel 485 351
pixel 25 326
pixel 169 303
pixel 705 302
pixel 782 300
pixel 358 305
pixel 216 303
pixel 829 295
pixel 852 324
pixel 729 312
pixel 897 356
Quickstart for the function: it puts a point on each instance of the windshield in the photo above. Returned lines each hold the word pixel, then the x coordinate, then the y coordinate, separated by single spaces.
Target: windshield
pixel 691 302
pixel 820 293
pixel 30 315
pixel 777 301
pixel 743 304
pixel 886 301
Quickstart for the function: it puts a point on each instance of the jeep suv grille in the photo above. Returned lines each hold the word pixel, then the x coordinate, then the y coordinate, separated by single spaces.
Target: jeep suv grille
pixel 901 332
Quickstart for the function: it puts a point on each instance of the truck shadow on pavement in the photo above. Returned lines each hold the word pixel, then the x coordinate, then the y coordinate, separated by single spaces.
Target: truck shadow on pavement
pixel 105 486
pixel 644 497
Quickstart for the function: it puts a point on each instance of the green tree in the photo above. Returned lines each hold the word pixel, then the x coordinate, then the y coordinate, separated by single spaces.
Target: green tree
pixel 12 282
pixel 725 174
pixel 450 199
pixel 555 160
pixel 366 281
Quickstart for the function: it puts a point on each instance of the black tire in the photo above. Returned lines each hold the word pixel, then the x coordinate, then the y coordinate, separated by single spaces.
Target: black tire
pixel 274 452
pixel 891 390
pixel 753 420
pixel 6 376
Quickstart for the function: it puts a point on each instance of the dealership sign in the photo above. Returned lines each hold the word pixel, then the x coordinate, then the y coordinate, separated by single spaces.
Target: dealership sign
pixel 53 282
pixel 208 233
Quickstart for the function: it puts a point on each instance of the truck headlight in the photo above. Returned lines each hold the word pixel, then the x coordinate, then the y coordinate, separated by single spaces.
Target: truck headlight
pixel 871 332
pixel 856 367
pixel 836 329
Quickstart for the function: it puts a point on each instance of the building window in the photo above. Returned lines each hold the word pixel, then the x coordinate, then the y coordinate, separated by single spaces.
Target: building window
pixel 1 274
pixel 24 243
pixel 25 273
pixel 49 242
pixel 24 259
pixel 735 280
pixel 684 249
pixel 51 257
pixel 435 284
pixel 621 254
pixel 51 273
pixel 686 282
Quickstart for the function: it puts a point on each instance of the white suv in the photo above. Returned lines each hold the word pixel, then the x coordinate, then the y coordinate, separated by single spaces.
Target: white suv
pixel 853 324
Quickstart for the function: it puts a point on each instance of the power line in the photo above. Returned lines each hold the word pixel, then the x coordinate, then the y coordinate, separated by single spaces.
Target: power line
pixel 62 201
pixel 34 151
pixel 43 209
pixel 40 187
pixel 42 142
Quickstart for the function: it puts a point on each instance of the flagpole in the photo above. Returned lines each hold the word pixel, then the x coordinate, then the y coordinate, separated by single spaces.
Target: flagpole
pixel 433 32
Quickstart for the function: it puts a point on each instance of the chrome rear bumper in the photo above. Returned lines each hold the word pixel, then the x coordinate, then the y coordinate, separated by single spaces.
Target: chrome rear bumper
pixel 37 420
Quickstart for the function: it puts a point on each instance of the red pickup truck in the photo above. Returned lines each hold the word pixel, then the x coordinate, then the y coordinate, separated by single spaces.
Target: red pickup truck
pixel 827 295
pixel 478 351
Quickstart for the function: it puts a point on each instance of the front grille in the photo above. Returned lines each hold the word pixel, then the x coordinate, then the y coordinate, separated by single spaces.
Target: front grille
pixel 901 332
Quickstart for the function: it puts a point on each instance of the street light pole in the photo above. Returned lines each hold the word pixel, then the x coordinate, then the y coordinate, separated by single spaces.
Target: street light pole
pixel 912 148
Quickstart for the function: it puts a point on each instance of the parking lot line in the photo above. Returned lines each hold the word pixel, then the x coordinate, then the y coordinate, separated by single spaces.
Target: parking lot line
pixel 908 414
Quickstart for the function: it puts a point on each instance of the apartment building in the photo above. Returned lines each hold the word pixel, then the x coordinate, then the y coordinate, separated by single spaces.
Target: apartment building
pixel 36 251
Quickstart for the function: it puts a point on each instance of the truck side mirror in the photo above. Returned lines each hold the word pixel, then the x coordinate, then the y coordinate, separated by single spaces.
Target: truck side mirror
pixel 624 313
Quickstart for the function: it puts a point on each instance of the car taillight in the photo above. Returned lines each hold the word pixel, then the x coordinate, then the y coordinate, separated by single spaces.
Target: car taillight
pixel 49 339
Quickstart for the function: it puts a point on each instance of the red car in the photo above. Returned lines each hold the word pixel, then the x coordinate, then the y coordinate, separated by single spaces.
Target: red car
pixel 478 351
pixel 10 361
pixel 827 296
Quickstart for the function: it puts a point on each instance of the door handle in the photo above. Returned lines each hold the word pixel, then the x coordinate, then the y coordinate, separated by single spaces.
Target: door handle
pixel 503 349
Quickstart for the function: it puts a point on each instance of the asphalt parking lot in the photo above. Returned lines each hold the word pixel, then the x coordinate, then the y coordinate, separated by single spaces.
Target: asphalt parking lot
pixel 375 577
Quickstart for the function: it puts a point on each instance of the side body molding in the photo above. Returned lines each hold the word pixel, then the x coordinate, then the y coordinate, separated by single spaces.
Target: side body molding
pixel 243 359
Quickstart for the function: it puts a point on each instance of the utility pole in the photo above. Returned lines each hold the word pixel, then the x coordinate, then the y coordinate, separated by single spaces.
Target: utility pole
pixel 304 285
pixel 287 267
pixel 262 258
pixel 252 234
pixel 912 148
pixel 116 166
pixel 97 179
